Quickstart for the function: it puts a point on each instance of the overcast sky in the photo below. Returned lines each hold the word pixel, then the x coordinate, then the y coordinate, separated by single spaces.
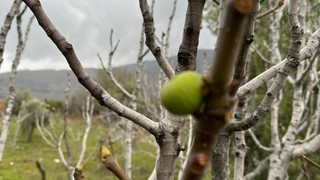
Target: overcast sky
pixel 86 24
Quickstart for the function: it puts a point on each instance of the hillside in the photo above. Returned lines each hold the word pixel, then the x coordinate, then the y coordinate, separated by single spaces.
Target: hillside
pixel 51 84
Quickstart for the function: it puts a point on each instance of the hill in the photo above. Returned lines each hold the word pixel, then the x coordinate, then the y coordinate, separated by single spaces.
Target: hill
pixel 51 84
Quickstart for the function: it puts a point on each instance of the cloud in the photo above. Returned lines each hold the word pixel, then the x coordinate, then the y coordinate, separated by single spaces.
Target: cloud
pixel 87 25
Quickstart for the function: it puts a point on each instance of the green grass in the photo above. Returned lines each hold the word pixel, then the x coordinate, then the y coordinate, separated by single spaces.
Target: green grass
pixel 19 162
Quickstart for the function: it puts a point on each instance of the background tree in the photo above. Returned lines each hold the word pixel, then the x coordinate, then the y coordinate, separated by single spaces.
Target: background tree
pixel 22 40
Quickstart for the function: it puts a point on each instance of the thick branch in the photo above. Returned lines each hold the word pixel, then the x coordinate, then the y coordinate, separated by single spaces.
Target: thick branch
pixel 188 49
pixel 306 148
pixel 306 53
pixel 243 57
pixel 216 113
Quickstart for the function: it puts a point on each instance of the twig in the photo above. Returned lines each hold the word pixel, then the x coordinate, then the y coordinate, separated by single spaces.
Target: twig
pixel 217 2
pixel 65 119
pixel 256 141
pixel 43 135
pixel 271 10
pixel 167 35
pixel 310 161
pixel 304 170
pixel 88 118
pixel 42 170
pixel 108 70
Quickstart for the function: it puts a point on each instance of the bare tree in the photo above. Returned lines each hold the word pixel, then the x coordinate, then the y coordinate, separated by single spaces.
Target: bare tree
pixel 167 131
pixel 50 137
pixel 19 50
pixel 127 145
pixel 216 120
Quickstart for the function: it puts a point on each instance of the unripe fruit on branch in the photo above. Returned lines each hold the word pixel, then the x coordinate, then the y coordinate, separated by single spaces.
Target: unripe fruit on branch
pixel 80 168
pixel 182 94
pixel 104 153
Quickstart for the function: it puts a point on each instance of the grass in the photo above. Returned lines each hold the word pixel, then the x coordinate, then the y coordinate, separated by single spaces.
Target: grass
pixel 19 162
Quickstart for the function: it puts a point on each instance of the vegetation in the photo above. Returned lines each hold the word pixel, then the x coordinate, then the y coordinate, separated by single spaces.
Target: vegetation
pixel 18 164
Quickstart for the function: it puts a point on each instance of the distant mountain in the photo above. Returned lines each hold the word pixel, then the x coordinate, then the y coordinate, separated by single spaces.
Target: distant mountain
pixel 42 84
pixel 51 84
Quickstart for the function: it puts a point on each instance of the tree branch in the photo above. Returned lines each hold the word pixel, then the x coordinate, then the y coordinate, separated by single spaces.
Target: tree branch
pixel 271 10
pixel 150 39
pixel 189 46
pixel 306 148
pixel 258 170
pixel 109 70
pixel 217 102
pixel 7 25
pixel 305 53
pixel 257 142
pixel 102 96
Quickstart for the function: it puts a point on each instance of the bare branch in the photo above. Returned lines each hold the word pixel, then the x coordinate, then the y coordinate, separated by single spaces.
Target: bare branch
pixel 88 118
pixel 308 68
pixel 7 25
pixel 306 147
pixel 150 39
pixel 60 153
pixel 112 77
pixel 264 58
pixel 52 144
pixel 103 97
pixel 271 10
pixel 258 170
pixel 309 49
pixel 310 161
pixel 167 35
pixel 41 170
pixel 51 134
pixel 189 46
pixel 65 119
pixel 306 53
pixel 257 142
pixel 217 2
pixel 109 69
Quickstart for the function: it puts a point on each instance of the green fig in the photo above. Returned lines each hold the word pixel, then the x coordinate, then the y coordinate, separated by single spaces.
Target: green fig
pixel 182 94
